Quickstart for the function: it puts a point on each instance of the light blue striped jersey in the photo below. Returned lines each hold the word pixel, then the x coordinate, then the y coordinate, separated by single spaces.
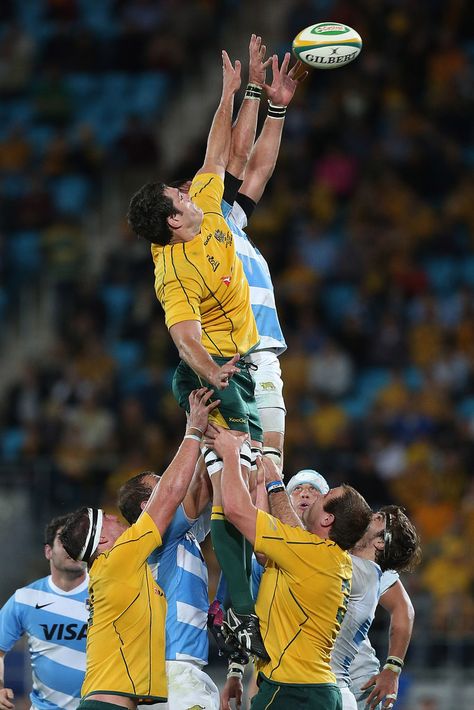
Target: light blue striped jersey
pixel 262 296
pixel 180 570
pixel 363 600
pixel 56 625
pixel 366 663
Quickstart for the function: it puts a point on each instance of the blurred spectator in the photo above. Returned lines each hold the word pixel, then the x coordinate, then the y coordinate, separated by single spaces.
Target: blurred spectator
pixel 330 371
pixel 17 52
pixel 15 151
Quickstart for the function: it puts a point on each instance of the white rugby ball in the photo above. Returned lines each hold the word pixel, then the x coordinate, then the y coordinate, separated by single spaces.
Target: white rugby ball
pixel 327 45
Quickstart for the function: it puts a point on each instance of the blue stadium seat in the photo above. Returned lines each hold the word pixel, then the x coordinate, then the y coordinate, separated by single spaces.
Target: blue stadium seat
pixel 136 381
pixel 466 407
pixel 370 381
pixel 23 254
pixel 116 86
pixel 413 378
pixel 467 271
pixel 12 441
pixel 148 93
pixel 338 299
pixel 40 135
pixel 117 299
pixel 14 185
pixel 355 407
pixel 70 194
pixel 84 87
pixel 443 273
pixel 127 354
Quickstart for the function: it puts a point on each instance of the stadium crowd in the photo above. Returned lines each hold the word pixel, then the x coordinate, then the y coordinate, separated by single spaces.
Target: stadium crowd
pixel 367 226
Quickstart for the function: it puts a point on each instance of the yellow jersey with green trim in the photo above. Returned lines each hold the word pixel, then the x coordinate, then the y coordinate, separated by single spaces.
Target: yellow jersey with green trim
pixel 125 653
pixel 204 280
pixel 301 601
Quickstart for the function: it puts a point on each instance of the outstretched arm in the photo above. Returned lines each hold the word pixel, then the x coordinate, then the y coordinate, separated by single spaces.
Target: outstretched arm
pixel 397 602
pixel 280 503
pixel 245 126
pixel 174 483
pixel 199 492
pixel 218 142
pixel 236 501
pixel 187 338
pixel 265 151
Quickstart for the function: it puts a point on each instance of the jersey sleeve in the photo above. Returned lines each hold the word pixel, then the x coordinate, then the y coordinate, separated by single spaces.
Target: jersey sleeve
pixel 289 547
pixel 133 548
pixel 202 526
pixel 238 215
pixel 206 192
pixel 11 626
pixel 387 580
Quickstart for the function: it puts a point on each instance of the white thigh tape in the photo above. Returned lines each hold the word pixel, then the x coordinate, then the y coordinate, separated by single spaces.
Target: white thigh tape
pixel 212 460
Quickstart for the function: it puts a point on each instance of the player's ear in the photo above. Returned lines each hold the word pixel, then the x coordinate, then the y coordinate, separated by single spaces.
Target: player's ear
pixel 379 543
pixel 327 519
pixel 175 220
pixel 48 552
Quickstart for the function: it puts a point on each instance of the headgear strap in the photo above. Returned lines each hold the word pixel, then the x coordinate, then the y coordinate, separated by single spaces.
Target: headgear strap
pixel 93 536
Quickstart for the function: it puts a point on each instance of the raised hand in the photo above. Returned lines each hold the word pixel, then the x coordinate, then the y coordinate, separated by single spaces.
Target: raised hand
pixel 257 63
pixel 284 83
pixel 230 74
pixel 223 441
pixel 225 372
pixel 200 408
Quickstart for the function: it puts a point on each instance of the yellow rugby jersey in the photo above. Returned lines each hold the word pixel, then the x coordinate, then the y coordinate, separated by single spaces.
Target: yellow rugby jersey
pixel 204 279
pixel 301 601
pixel 125 653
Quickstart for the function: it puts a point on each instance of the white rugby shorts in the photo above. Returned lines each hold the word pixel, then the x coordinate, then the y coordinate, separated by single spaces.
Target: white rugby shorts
pixel 268 382
pixel 188 686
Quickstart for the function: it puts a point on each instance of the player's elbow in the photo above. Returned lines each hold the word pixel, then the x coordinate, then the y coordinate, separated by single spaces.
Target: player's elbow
pixel 230 508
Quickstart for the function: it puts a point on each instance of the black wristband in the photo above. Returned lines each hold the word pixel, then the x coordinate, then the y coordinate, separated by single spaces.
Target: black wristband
pixel 253 91
pixel 276 111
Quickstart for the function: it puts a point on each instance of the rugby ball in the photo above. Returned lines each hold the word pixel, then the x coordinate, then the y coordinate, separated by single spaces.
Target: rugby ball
pixel 327 45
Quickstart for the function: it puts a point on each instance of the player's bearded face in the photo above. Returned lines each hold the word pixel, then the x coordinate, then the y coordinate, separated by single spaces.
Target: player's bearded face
pixel 61 560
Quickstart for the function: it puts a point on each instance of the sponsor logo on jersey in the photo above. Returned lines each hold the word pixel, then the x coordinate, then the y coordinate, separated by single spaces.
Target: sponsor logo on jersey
pixel 223 237
pixel 226 280
pixel 213 262
pixel 64 632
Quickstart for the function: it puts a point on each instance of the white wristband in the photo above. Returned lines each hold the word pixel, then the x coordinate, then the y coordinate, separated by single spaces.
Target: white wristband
pixel 193 436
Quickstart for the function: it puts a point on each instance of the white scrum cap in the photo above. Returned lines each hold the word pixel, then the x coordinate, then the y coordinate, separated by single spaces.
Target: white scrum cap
pixel 307 475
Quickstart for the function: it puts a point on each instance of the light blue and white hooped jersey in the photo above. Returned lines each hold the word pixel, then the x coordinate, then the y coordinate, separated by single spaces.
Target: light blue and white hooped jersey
pixel 363 600
pixel 180 570
pixel 262 296
pixel 366 664
pixel 56 625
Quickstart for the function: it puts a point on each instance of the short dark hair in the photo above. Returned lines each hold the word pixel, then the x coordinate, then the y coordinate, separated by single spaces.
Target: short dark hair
pixel 74 533
pixel 132 494
pixel 148 213
pixel 352 515
pixel 51 529
pixel 402 550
